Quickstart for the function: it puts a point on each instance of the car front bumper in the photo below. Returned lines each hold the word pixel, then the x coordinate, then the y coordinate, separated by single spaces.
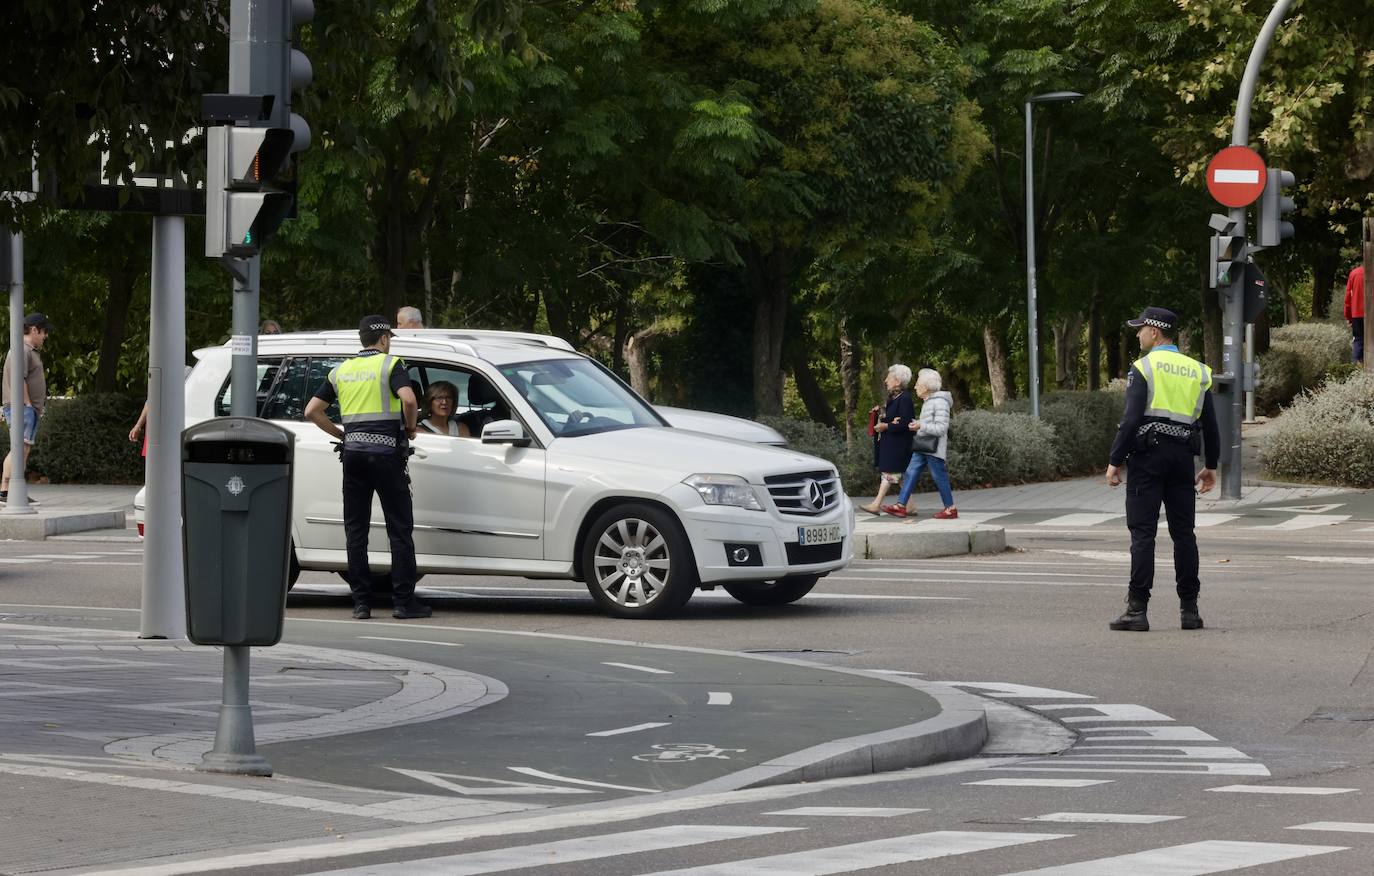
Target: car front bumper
pixel 772 540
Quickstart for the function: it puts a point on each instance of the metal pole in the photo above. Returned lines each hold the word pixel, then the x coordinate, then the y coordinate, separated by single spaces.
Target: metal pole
pixel 235 748
pixel 164 597
pixel 243 364
pixel 1368 292
pixel 1233 303
pixel 1032 347
pixel 1249 365
pixel 19 488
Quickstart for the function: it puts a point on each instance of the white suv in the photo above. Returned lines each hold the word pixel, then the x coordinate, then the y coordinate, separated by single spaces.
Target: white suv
pixel 574 476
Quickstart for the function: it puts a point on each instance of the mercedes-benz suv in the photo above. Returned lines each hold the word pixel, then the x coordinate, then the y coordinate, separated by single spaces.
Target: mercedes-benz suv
pixel 574 476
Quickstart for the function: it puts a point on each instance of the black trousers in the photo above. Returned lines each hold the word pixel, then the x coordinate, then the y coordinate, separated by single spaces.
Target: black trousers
pixel 383 474
pixel 1162 474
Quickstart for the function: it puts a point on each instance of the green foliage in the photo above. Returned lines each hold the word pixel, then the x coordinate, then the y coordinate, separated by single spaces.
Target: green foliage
pixel 85 440
pixel 1299 357
pixel 1326 436
pixel 988 448
pixel 1084 425
pixel 1280 380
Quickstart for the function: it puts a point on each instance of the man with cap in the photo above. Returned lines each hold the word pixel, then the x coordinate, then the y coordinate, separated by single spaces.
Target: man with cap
pixel 378 409
pixel 1169 419
pixel 36 329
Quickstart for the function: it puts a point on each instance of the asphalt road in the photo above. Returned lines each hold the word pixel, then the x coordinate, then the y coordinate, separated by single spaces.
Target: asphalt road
pixel 1277 693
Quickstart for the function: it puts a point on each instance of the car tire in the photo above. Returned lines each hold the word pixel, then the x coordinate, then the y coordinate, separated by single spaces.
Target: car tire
pixel 293 569
pixel 780 592
pixel 637 562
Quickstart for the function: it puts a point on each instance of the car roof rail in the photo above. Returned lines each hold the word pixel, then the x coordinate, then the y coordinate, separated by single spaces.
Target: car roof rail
pixel 527 338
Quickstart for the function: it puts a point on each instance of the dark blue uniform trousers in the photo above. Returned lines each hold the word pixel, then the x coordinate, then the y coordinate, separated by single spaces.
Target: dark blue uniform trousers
pixel 385 474
pixel 1162 474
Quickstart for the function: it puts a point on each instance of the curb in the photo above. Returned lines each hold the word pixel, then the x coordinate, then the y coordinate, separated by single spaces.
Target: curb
pixel 959 731
pixel 41 525
pixel 894 544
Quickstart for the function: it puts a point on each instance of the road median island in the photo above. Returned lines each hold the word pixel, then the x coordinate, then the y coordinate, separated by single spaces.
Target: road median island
pixel 883 539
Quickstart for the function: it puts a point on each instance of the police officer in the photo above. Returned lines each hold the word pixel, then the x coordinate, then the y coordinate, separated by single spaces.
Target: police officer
pixel 378 408
pixel 1168 420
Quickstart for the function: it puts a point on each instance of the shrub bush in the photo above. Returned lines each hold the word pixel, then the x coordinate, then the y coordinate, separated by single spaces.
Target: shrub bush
pixel 1326 436
pixel 1280 380
pixel 1084 425
pixel 85 440
pixel 993 447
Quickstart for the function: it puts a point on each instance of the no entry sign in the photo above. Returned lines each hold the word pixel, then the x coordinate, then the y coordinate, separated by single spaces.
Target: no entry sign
pixel 1235 176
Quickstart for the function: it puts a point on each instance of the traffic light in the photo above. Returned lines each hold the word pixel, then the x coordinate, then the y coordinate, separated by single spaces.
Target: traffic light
pixel 1273 206
pixel 1227 251
pixel 242 208
pixel 299 71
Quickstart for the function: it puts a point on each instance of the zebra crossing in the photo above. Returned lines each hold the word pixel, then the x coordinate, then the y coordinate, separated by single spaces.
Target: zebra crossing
pixel 1208 856
pixel 1268 520
pixel 120 557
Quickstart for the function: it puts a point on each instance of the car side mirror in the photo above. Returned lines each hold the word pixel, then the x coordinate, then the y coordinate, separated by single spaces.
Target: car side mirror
pixel 505 432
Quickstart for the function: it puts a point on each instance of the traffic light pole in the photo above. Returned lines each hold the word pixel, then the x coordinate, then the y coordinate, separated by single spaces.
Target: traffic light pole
pixel 1232 382
pixel 13 241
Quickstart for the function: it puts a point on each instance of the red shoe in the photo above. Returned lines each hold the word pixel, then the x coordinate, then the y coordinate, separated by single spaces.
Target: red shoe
pixel 895 510
pixel 950 513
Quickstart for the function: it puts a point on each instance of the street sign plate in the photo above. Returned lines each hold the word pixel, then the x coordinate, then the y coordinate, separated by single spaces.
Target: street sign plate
pixel 1236 176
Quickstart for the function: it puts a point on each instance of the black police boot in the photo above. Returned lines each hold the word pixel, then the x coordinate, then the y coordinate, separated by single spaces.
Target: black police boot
pixel 1188 617
pixel 362 612
pixel 412 610
pixel 1134 619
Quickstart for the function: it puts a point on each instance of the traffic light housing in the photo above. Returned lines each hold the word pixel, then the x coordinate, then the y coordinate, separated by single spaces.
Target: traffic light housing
pixel 1226 252
pixel 1272 228
pixel 242 207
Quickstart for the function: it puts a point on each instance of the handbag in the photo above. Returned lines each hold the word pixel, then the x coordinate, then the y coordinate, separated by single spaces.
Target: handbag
pixel 922 442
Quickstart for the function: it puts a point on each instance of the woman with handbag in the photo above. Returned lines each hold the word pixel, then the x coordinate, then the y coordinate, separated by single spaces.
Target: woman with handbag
pixel 890 427
pixel 929 444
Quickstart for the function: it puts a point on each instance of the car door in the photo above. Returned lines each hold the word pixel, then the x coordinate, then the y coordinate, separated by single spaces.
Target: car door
pixel 317 496
pixel 474 499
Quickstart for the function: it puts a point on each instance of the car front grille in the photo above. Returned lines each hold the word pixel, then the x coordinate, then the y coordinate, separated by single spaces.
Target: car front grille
pixel 804 494
pixel 806 554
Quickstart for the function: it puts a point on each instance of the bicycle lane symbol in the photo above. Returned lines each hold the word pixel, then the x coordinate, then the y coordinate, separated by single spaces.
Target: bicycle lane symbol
pixel 681 752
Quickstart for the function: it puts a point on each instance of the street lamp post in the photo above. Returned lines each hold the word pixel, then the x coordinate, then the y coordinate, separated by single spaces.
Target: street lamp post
pixel 1033 347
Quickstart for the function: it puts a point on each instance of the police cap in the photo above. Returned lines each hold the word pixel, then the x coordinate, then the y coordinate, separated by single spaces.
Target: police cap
pixel 1164 320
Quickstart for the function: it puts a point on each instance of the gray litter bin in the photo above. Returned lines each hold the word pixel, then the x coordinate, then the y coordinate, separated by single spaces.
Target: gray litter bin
pixel 236 529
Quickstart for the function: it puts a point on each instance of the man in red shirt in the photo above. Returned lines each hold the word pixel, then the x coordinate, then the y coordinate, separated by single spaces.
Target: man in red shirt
pixel 1354 309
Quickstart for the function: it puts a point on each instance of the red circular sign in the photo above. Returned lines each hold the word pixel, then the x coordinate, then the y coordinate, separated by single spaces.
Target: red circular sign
pixel 1235 176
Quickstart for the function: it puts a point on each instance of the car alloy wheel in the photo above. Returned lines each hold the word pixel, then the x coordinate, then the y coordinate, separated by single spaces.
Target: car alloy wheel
pixel 637 562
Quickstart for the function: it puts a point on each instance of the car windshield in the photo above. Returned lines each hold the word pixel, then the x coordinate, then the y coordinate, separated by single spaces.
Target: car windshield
pixel 576 397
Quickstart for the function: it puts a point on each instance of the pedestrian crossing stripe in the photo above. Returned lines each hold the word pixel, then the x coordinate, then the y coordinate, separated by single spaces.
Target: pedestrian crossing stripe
pixel 1190 859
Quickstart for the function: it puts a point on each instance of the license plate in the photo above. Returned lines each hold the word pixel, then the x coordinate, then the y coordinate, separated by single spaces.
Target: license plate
pixel 825 534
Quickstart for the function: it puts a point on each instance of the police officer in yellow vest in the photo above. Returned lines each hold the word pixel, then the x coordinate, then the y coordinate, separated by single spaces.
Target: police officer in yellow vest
pixel 1168 420
pixel 378 409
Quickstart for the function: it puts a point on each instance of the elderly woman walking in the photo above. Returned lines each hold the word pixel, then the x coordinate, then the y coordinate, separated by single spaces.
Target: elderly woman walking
pixel 891 433
pixel 930 442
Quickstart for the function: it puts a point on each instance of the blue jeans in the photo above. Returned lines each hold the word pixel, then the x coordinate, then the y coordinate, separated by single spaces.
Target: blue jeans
pixel 938 473
pixel 30 422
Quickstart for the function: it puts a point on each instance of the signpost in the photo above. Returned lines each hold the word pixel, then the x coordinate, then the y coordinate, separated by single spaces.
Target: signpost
pixel 1236 176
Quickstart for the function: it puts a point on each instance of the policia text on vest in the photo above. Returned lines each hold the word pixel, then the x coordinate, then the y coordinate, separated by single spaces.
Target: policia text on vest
pixel 378 409
pixel 1169 419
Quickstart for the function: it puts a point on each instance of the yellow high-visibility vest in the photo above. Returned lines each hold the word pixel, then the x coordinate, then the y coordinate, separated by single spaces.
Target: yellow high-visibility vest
pixel 363 385
pixel 1175 385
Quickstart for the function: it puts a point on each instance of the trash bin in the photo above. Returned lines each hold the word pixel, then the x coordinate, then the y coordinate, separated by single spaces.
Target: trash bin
pixel 236 529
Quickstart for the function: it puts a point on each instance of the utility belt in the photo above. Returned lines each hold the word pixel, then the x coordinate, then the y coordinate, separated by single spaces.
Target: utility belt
pixel 1156 432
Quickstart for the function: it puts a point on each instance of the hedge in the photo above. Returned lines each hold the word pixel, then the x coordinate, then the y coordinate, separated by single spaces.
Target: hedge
pixel 1327 436
pixel 1300 356
pixel 987 447
pixel 85 440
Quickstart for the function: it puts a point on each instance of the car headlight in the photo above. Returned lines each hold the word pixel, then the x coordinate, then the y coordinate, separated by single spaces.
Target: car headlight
pixel 721 489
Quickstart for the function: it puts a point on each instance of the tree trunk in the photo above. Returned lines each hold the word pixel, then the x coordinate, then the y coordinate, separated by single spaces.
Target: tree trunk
pixel 817 405
pixel 1067 345
pixel 121 277
pixel 999 369
pixel 637 360
pixel 1112 346
pixel 556 312
pixel 1095 336
pixel 1324 269
pixel 768 278
pixel 849 378
pixel 622 336
pixel 1211 322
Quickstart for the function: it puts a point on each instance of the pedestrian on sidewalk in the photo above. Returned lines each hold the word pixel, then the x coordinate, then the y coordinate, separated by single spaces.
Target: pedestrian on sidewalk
pixel 928 447
pixel 1354 312
pixel 36 330
pixel 889 424
pixel 1169 419
pixel 378 408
